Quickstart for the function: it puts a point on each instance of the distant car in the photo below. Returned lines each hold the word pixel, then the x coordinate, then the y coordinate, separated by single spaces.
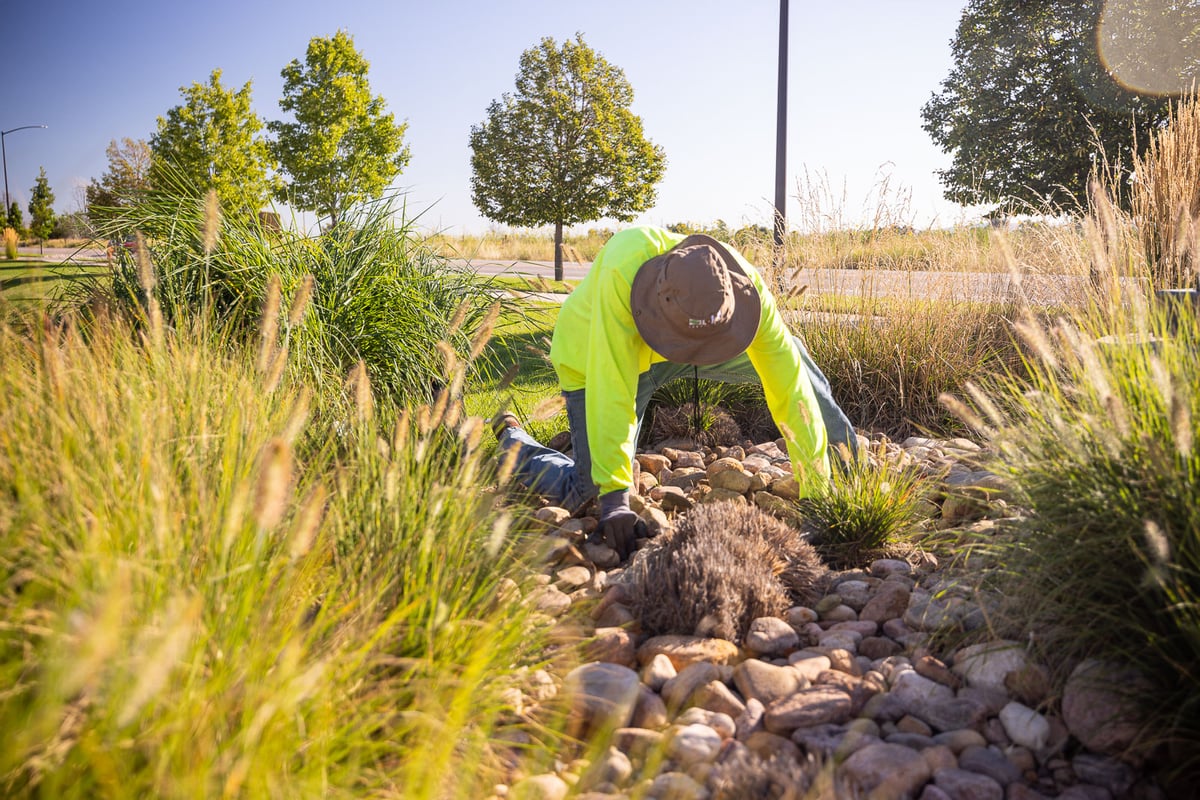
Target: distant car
pixel 129 243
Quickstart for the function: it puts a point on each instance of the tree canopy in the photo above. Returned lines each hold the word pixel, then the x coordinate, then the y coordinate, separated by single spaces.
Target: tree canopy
pixel 126 179
pixel 41 207
pixel 564 148
pixel 342 147
pixel 213 141
pixel 1043 89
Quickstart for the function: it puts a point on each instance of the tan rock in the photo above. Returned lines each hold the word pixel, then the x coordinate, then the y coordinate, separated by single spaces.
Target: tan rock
pixel 685 478
pixel 1097 709
pixel 859 690
pixel 677 692
pixel 716 696
pixel 724 465
pixel 787 488
pixel 884 770
pixel 672 498
pixel 809 664
pixel 653 463
pixel 889 601
pixel 600 695
pixel 734 480
pixel 552 515
pixel 817 705
pixel 650 711
pixel 573 577
pixel 658 672
pixel 613 645
pixel 766 682
pixel 684 650
pixel 547 786
pixel 929 667
pixel 718 495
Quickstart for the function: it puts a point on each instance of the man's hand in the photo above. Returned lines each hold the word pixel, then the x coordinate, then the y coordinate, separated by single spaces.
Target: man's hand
pixel 619 526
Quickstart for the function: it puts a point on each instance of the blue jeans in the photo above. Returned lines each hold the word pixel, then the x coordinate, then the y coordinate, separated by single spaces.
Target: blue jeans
pixel 567 481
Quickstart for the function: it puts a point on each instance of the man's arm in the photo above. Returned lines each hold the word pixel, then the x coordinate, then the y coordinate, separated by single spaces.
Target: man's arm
pixel 790 396
pixel 614 358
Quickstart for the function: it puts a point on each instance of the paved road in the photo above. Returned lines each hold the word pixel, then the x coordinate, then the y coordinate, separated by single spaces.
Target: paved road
pixel 947 286
pixel 910 284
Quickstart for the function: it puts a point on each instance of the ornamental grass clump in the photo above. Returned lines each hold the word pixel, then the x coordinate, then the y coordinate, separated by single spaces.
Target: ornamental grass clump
pixel 1100 436
pixel 871 509
pixel 10 244
pixel 729 413
pixel 723 566
pixel 377 293
pixel 209 586
pixel 888 362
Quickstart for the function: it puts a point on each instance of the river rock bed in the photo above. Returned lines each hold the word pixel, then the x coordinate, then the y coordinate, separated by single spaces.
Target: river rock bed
pixel 859 695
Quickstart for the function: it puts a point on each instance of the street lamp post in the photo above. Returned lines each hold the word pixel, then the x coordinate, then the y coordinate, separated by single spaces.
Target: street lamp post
pixel 4 159
pixel 781 135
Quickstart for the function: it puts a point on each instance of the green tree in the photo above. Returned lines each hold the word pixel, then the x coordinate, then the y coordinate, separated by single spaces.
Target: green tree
pixel 125 181
pixel 564 148
pixel 41 207
pixel 1042 89
pixel 15 220
pixel 342 147
pixel 213 141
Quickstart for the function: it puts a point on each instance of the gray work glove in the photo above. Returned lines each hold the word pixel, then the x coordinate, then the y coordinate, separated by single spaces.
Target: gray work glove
pixel 619 526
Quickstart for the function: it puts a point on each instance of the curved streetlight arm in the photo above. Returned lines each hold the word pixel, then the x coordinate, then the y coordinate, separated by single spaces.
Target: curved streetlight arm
pixel 4 159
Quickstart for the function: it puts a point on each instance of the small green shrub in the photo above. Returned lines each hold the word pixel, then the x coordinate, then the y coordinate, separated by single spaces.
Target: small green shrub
pixel 870 509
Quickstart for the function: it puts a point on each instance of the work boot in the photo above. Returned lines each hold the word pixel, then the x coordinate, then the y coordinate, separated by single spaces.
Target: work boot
pixel 503 421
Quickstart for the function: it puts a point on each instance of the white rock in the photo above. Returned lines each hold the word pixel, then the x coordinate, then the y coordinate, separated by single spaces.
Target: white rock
pixel 986 665
pixel 694 744
pixel 658 672
pixel 1025 726
pixel 719 721
pixel 539 787
pixel 809 664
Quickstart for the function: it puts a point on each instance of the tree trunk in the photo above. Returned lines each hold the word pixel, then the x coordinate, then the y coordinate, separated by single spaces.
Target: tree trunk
pixel 558 261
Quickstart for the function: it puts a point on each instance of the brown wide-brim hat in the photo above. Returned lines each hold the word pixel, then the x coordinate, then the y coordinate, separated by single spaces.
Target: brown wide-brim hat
pixel 694 304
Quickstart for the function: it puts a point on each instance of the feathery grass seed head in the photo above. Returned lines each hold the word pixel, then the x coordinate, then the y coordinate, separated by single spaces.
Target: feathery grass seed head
pixel 212 221
pixel 485 331
pixel 301 300
pixel 274 484
pixel 145 267
pixel 268 325
pixel 308 522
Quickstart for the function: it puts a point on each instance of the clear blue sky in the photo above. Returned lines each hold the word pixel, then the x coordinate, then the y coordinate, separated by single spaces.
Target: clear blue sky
pixel 703 73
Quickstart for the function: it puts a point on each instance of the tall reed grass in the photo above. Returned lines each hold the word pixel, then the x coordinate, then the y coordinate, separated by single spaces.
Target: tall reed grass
pixel 374 292
pixel 1165 197
pixel 212 588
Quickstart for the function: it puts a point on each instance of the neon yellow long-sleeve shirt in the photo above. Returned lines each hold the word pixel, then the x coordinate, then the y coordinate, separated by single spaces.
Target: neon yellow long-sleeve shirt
pixel 596 346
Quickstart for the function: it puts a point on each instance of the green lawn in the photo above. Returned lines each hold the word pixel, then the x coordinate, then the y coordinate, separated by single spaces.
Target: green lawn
pixel 36 281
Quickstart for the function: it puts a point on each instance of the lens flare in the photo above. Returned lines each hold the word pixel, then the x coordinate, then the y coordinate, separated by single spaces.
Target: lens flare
pixel 1151 46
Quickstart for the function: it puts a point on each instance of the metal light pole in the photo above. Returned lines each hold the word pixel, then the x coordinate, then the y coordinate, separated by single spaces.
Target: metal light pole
pixel 4 158
pixel 781 135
